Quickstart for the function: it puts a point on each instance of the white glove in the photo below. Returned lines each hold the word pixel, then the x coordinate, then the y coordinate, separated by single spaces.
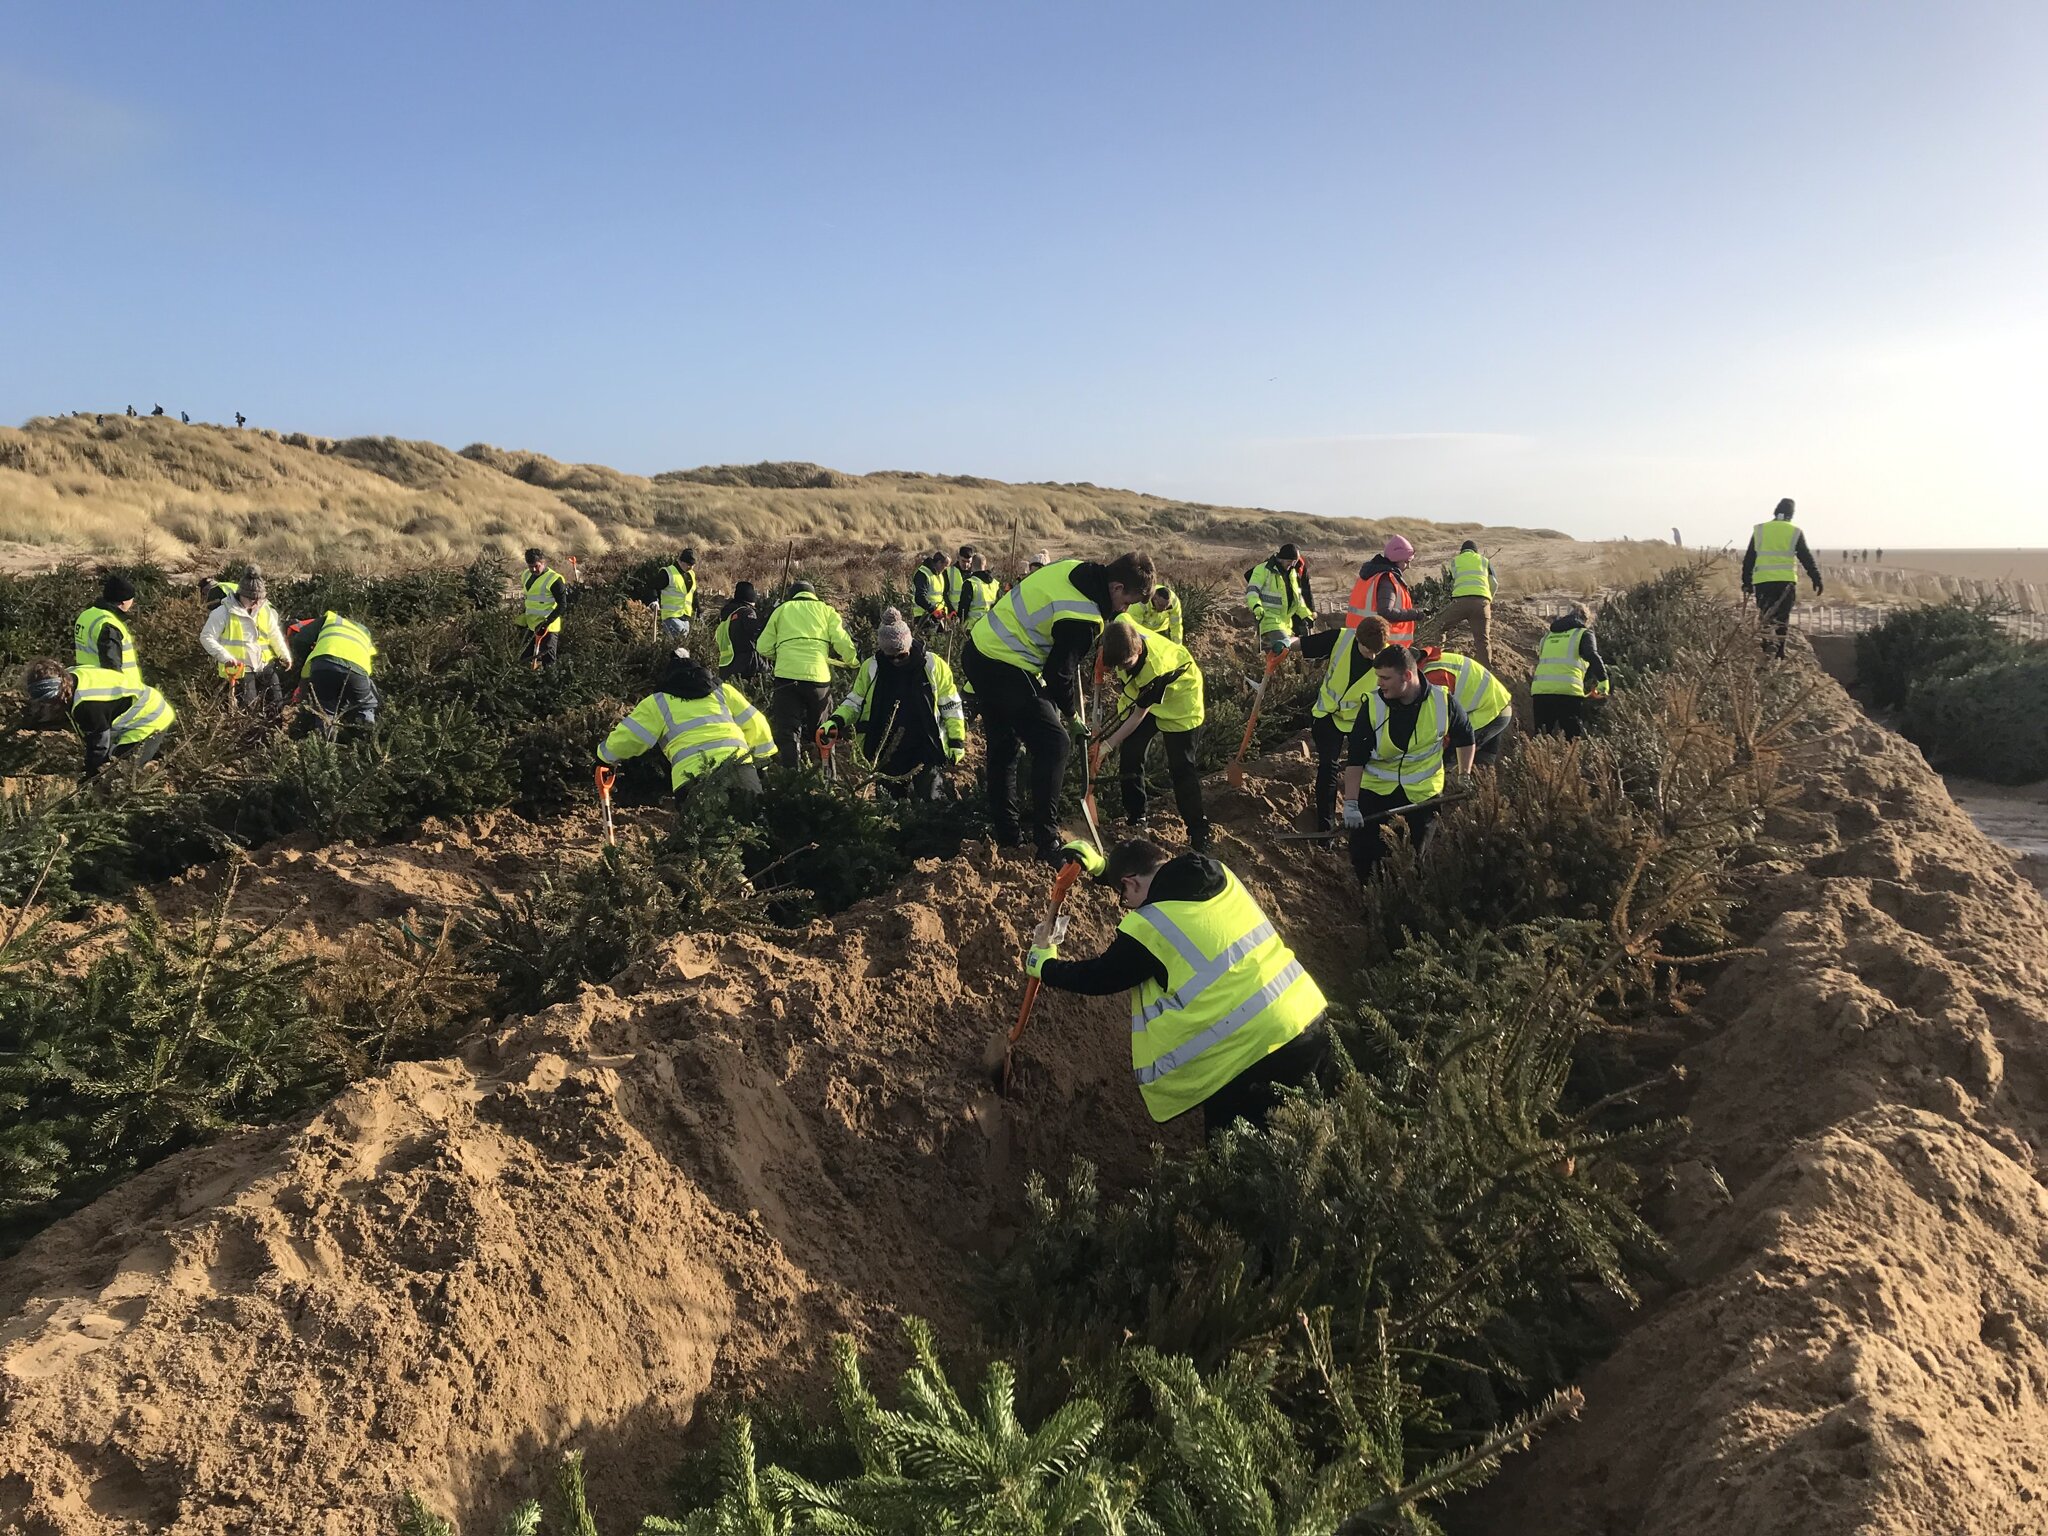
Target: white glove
pixel 1354 818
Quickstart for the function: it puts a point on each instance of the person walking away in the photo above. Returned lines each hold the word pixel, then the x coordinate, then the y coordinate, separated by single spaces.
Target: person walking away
pixel 119 715
pixel 101 636
pixel 956 580
pixel 739 627
pixel 546 600
pixel 247 643
pixel 1023 659
pixel 712 737
pixel 802 641
pixel 677 605
pixel 907 709
pixel 1770 569
pixel 928 592
pixel 1347 679
pixel 1159 693
pixel 1396 773
pixel 1471 604
pixel 1223 1016
pixel 1488 705
pixel 1568 672
pixel 340 659
pixel 1382 588
pixel 1160 613
pixel 1272 591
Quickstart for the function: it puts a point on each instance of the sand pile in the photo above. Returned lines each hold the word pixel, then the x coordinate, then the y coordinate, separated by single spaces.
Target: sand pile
pixel 1859 1338
pixel 570 1232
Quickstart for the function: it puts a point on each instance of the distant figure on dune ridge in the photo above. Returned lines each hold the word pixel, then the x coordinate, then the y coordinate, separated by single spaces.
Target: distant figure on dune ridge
pixel 131 410
pixel 241 420
pixel 185 417
pixel 158 411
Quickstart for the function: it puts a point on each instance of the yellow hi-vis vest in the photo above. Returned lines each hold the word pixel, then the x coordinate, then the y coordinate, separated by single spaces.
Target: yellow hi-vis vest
pixel 804 637
pixel 723 635
pixel 980 595
pixel 1181 709
pixel 695 735
pixel 1347 681
pixel 1274 597
pixel 858 707
pixel 1483 697
pixel 1161 621
pixel 956 586
pixel 1471 575
pixel 678 599
pixel 241 625
pixel 1234 994
pixel 1018 629
pixel 1560 669
pixel 85 641
pixel 344 640
pixel 1415 767
pixel 1776 542
pixel 148 712
pixel 542 593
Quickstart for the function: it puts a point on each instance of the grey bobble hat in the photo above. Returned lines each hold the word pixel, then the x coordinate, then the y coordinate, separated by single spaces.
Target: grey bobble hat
pixel 893 636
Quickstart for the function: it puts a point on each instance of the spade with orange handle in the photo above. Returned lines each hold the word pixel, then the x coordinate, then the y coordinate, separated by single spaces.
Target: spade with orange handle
pixel 1069 875
pixel 1235 772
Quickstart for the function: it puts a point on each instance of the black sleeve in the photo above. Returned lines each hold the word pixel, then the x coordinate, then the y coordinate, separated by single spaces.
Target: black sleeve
pixel 1071 640
pixel 1458 731
pixel 1148 697
pixel 1589 653
pixel 1749 562
pixel 95 721
pixel 1119 968
pixel 110 648
pixel 1806 559
pixel 1363 739
pixel 1322 642
pixel 561 591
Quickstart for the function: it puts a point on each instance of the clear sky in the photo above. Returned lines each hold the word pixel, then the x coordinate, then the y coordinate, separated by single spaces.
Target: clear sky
pixel 1606 268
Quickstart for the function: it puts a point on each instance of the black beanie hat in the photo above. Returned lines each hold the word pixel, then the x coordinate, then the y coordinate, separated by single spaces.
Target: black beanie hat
pixel 116 589
pixel 744 592
pixel 687 557
pixel 1784 508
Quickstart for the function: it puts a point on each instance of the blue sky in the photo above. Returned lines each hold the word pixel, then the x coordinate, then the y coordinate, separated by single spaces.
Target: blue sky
pixel 1607 268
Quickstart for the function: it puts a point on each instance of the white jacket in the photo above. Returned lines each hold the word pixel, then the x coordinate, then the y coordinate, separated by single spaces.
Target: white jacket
pixel 263 622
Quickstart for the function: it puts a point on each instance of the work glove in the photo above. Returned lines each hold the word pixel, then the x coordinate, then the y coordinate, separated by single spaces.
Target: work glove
pixel 1461 783
pixel 1276 641
pixel 1354 818
pixel 1036 956
pixel 1599 690
pixel 829 730
pixel 1816 588
pixel 1083 853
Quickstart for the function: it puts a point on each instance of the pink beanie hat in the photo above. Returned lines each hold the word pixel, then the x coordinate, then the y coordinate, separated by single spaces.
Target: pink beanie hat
pixel 1398 549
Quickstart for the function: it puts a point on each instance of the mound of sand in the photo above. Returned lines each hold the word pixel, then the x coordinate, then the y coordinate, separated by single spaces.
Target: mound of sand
pixel 1858 1337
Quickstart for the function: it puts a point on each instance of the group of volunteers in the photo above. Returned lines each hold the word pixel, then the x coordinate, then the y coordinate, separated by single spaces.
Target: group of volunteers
pixel 323 663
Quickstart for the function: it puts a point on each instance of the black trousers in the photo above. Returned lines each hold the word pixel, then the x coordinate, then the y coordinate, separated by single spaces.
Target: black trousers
pixel 99 748
pixel 1559 714
pixel 730 786
pixel 795 711
pixel 1252 1094
pixel 260 692
pixel 1180 768
pixel 1369 842
pixel 1491 737
pixel 1774 600
pixel 1330 744
pixel 547 647
pixel 344 695
pixel 1017 715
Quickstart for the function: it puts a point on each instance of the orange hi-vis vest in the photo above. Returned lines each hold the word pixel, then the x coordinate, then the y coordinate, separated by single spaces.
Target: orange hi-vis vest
pixel 1365 598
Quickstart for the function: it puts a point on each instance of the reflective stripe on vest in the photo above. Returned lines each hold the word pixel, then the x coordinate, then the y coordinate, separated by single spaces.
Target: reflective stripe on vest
pixel 245 629
pixel 148 711
pixel 541 593
pixel 1182 707
pixel 1416 768
pixel 345 640
pixel 1340 703
pixel 1018 629
pixel 678 598
pixel 1560 669
pixel 1471 576
pixel 692 729
pixel 1234 994
pixel 1776 559
pixel 1365 597
pixel 1483 697
pixel 85 641
pixel 980 594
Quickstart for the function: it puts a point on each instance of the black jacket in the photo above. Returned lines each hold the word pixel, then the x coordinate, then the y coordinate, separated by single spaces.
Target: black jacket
pixel 1127 963
pixel 1401 722
pixel 901 707
pixel 1589 648
pixel 743 630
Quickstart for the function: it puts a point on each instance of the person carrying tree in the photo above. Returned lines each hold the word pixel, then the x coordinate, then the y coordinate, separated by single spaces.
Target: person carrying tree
pixel 907 709
pixel 1159 693
pixel 1023 658
pixel 340 659
pixel 712 737
pixel 928 592
pixel 739 627
pixel 101 636
pixel 678 601
pixel 118 714
pixel 1382 588
pixel 1347 679
pixel 1398 743
pixel 1471 604
pixel 1770 569
pixel 546 599
pixel 1223 1016
pixel 1568 672
pixel 802 641
pixel 1160 613
pixel 1272 591
pixel 246 641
